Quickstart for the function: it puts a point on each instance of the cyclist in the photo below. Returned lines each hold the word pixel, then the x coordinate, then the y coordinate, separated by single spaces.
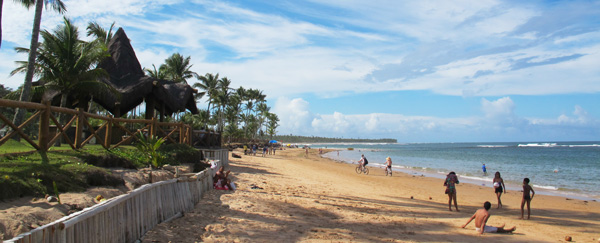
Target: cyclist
pixel 363 161
pixel 388 165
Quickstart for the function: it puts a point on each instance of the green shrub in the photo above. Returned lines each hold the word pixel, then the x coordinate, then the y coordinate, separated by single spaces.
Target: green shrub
pixel 180 154
pixel 149 147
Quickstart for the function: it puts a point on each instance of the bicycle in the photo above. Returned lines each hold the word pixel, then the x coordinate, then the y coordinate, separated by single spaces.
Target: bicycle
pixel 388 172
pixel 362 169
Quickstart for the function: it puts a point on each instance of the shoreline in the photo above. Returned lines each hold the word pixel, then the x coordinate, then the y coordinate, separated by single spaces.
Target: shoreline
pixel 479 182
pixel 568 194
pixel 287 197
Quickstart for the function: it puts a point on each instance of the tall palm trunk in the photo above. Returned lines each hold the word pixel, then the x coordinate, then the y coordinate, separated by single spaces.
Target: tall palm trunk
pixel 26 93
pixel 1 3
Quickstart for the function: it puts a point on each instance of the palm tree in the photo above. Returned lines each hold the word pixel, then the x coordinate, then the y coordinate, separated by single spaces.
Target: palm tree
pixel 208 83
pixel 263 112
pixel 178 68
pixel 156 73
pixel 272 124
pixel 58 6
pixel 100 33
pixel 1 3
pixel 67 64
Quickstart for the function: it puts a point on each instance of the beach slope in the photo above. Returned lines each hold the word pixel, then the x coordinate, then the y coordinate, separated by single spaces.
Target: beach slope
pixel 289 198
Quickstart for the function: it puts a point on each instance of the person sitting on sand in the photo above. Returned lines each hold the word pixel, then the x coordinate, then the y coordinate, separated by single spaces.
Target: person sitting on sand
pixel 450 183
pixel 481 217
pixel 221 180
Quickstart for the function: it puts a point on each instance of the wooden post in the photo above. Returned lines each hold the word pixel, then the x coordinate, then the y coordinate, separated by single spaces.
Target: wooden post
pixel 190 135
pixel 153 127
pixel 162 111
pixel 44 133
pixel 181 134
pixel 108 136
pixel 44 130
pixel 150 105
pixel 79 128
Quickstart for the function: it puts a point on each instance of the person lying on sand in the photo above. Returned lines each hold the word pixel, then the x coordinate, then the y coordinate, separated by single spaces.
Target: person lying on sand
pixel 481 217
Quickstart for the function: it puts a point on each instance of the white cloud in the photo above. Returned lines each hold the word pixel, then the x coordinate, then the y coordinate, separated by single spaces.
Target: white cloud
pixel 501 108
pixel 294 115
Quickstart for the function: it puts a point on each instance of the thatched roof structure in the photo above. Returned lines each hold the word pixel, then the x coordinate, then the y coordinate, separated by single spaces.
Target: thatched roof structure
pixel 127 77
pixel 132 86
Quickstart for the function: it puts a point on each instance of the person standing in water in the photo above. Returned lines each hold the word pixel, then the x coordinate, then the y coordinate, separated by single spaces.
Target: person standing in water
pixel 499 187
pixel 484 169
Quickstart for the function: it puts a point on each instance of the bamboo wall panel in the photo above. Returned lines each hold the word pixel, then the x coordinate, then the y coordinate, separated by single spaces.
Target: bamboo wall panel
pixel 127 217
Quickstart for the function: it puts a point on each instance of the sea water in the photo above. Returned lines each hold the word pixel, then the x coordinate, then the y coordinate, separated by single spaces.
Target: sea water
pixel 568 169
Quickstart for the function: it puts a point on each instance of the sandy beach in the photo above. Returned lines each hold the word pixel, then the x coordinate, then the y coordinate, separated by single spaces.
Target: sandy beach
pixel 289 198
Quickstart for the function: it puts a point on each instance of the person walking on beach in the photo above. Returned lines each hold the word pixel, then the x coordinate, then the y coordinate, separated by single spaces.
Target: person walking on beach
pixel 481 217
pixel 499 187
pixel 484 169
pixel 388 165
pixel 450 183
pixel 528 194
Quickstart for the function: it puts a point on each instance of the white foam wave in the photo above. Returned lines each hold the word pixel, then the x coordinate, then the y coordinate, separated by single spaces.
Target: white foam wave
pixel 474 178
pixel 554 145
pixel 538 145
pixel 546 187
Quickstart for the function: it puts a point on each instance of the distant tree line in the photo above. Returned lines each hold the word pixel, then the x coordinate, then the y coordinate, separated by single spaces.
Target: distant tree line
pixel 313 139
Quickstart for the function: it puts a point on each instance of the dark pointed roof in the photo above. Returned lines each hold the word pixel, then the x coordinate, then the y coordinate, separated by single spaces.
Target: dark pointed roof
pixel 127 77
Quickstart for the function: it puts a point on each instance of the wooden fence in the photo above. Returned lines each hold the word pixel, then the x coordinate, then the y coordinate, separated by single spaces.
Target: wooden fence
pixel 111 133
pixel 217 154
pixel 126 218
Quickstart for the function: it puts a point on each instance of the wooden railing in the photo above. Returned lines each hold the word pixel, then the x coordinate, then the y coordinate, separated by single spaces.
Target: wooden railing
pixel 111 133
pixel 128 217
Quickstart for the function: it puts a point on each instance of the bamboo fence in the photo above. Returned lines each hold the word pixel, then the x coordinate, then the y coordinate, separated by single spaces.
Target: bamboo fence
pixel 77 131
pixel 126 218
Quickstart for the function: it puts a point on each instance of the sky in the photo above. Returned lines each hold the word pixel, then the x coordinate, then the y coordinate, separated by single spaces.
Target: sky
pixel 415 71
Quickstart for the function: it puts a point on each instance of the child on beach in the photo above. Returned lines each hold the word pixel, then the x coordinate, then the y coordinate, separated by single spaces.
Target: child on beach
pixel 528 194
pixel 450 183
pixel 499 187
pixel 388 165
pixel 481 217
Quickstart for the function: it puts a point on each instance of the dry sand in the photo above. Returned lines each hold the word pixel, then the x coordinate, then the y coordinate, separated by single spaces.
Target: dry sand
pixel 319 200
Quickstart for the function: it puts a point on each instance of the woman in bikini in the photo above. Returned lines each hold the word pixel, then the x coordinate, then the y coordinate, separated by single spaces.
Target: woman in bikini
pixel 499 187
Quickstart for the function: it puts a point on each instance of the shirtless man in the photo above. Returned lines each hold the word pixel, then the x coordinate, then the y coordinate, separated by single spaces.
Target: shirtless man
pixel 388 165
pixel 481 217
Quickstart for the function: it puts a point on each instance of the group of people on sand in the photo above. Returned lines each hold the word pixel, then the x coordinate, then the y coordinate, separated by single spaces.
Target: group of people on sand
pixel 265 150
pixel 482 215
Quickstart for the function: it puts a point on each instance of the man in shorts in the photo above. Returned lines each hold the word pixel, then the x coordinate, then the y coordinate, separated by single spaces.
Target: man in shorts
pixel 481 217
pixel 363 161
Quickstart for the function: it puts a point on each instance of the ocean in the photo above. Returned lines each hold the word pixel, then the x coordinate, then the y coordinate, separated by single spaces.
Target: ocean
pixel 569 169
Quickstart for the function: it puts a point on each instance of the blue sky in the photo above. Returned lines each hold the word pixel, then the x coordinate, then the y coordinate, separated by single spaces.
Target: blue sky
pixel 416 71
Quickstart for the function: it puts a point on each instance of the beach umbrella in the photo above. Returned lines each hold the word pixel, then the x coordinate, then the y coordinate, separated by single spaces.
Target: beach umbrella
pixel 273 141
